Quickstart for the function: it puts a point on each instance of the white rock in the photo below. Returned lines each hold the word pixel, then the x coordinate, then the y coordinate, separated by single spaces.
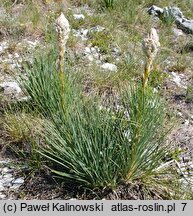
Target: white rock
pixel 23 99
pixel 10 56
pixel 177 80
pixel 18 181
pixel 4 161
pixel 93 50
pixel 155 90
pixel 31 44
pixel 98 62
pixel 16 55
pixel 1 187
pixel 79 16
pixel 2 196
pixel 116 51
pixel 7 184
pixel 84 32
pixel 177 32
pixel 187 122
pixel 97 28
pixel 8 176
pixel 96 55
pixel 109 66
pixel 180 114
pixel 5 170
pixel 87 50
pixel 90 58
pixel 10 87
pixel 3 46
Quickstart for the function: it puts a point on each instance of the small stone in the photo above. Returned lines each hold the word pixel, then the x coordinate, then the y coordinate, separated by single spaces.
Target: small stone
pixel 2 196
pixel 10 88
pixel 5 170
pixel 187 122
pixel 87 50
pixel 84 32
pixel 8 176
pixel 180 114
pixel 3 46
pixel 90 58
pixel 81 33
pixel 2 188
pixel 3 13
pixel 31 44
pixel 97 28
pixel 155 90
pixel 96 55
pixel 79 16
pixel 10 56
pixel 7 184
pixel 4 161
pixel 186 159
pixel 176 79
pixel 18 181
pixel 98 62
pixel 110 67
pixel 16 55
pixel 93 50
pixel 177 32
pixel 116 51
pixel 24 99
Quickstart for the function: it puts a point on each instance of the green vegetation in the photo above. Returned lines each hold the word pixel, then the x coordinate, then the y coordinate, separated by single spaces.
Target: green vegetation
pixel 101 128
pixel 109 4
pixel 90 144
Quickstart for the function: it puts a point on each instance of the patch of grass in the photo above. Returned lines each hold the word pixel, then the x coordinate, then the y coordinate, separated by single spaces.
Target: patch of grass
pixel 157 78
pixel 17 127
pixel 21 136
pixel 189 94
pixel 102 40
pixel 107 4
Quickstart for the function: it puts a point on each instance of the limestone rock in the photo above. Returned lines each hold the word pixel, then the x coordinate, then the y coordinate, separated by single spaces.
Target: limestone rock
pixel 109 67
pixel 186 25
pixel 79 16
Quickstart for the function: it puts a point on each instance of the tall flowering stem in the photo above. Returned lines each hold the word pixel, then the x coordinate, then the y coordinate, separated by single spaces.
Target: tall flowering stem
pixel 151 46
pixel 63 30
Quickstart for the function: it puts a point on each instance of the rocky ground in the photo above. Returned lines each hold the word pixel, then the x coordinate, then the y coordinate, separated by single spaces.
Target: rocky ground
pixel 177 88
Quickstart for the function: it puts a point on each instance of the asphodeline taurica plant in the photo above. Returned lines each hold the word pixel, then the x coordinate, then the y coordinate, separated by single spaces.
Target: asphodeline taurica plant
pixel 63 30
pixel 150 46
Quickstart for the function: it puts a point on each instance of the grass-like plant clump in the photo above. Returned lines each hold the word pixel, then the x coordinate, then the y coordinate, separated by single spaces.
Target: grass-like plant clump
pixel 89 144
pixel 108 4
